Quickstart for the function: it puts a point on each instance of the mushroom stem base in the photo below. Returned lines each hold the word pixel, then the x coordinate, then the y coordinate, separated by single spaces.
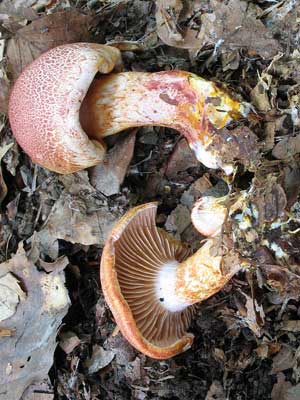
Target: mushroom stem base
pixel 166 288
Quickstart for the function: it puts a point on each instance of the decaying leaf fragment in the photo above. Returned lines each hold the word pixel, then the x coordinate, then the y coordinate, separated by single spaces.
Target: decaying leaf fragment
pixel 228 25
pixel 80 215
pixel 108 176
pixel 43 34
pixel 3 187
pixel 27 352
pixel 168 15
pixel 10 296
pixel 287 148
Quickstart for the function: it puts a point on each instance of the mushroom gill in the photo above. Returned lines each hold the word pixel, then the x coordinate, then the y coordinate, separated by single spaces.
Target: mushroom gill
pixel 142 252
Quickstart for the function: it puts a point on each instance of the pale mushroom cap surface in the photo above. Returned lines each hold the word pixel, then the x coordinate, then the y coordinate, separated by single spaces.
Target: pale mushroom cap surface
pixel 45 101
pixel 208 215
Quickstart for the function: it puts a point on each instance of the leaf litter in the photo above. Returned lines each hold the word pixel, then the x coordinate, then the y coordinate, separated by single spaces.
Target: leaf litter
pixel 53 228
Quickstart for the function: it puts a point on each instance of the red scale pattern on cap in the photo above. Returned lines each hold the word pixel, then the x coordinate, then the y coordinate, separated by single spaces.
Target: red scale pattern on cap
pixel 45 101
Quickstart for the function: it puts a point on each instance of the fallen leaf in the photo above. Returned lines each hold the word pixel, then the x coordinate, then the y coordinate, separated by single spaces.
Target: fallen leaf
pixel 100 359
pixel 181 159
pixel 10 296
pixel 290 326
pixel 4 95
pixel 252 314
pixel 284 390
pixel 285 282
pixel 20 10
pixel 283 22
pixel 3 187
pixel 133 370
pixel 178 220
pixel 195 191
pixel 280 388
pixel 43 34
pixel 168 17
pixel 238 144
pixel 265 350
pixel 27 355
pixel 283 360
pixel 287 148
pixel 80 215
pixel 228 26
pixel 232 25
pixel 271 128
pixel 215 392
pixel 108 176
pixel 39 391
pixel 72 221
pixel 259 94
pixel 291 183
pixel 68 341
pixel 57 266
pixel 6 332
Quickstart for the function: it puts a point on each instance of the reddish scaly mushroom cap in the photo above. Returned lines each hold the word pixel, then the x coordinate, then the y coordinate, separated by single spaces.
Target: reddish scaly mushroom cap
pixel 45 101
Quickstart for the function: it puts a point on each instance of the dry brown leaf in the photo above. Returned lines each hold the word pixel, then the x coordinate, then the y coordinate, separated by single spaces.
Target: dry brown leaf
pixel 253 316
pixel 178 220
pixel 108 176
pixel 287 148
pixel 271 127
pixel 195 191
pixel 80 215
pixel 19 10
pixel 229 26
pixel 68 341
pixel 215 392
pixel 233 26
pixel 266 349
pixel 280 388
pixel 291 326
pixel 259 94
pixel 181 159
pixel 284 390
pixel 3 187
pixel 283 360
pixel 168 13
pixel 100 358
pixel 238 144
pixel 27 354
pixel 57 266
pixel 43 34
pixel 4 95
pixel 286 283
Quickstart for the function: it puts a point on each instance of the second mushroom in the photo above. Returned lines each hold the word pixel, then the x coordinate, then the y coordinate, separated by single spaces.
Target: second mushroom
pixel 151 281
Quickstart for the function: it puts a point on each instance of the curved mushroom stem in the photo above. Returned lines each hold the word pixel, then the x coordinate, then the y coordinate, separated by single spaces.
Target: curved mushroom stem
pixel 174 99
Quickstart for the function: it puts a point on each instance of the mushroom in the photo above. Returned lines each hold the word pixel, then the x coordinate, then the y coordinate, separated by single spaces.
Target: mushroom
pixel 208 215
pixel 151 282
pixel 60 114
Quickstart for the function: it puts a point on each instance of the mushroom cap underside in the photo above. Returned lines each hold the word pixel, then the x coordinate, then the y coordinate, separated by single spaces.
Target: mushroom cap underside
pixel 131 259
